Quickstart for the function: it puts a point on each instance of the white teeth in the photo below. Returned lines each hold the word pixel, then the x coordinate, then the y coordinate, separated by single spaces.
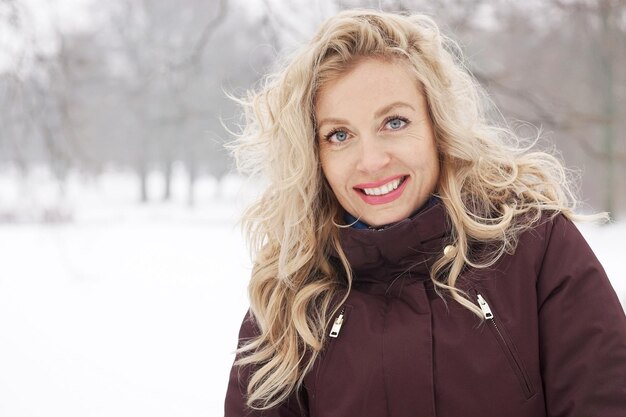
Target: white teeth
pixel 385 189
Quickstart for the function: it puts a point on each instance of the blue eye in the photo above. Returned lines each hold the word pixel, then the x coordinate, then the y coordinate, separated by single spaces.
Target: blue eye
pixel 397 123
pixel 341 136
pixel 337 136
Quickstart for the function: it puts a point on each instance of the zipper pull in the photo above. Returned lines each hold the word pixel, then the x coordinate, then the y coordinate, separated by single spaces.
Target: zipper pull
pixel 484 307
pixel 334 332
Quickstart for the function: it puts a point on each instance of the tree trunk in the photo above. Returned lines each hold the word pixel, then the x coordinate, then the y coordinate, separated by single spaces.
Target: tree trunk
pixel 608 96
pixel 167 186
pixel 191 192
pixel 143 184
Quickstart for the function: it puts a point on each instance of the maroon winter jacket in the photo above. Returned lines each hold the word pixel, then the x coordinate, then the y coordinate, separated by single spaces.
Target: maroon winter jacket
pixel 553 342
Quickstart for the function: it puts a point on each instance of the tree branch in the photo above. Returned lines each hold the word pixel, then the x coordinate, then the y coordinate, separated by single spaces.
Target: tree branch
pixel 194 58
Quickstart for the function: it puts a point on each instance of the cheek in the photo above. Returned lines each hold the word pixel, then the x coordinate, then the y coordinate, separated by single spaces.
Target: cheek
pixel 433 168
pixel 332 169
pixel 426 165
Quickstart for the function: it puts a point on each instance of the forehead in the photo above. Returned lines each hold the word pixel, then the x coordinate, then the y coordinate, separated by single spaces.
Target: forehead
pixel 370 82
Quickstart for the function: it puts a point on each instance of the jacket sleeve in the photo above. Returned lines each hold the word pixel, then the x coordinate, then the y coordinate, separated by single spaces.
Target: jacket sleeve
pixel 582 329
pixel 235 403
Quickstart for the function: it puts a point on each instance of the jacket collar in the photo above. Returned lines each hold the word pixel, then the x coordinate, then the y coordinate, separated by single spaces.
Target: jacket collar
pixel 406 249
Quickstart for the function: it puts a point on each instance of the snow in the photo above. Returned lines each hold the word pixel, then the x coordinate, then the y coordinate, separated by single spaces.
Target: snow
pixel 133 309
pixel 128 310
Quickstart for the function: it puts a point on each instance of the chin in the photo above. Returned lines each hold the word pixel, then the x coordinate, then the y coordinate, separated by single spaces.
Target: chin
pixel 383 220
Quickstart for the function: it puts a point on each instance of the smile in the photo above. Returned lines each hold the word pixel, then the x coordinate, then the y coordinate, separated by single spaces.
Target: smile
pixel 385 189
pixel 382 192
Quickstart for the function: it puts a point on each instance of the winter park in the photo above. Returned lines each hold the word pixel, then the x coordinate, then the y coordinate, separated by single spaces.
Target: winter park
pixel 124 266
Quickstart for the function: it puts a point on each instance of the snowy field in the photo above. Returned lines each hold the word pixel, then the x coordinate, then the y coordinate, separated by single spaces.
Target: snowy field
pixel 133 310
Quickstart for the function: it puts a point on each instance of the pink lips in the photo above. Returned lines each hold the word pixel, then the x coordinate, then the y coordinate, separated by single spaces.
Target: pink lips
pixel 381 199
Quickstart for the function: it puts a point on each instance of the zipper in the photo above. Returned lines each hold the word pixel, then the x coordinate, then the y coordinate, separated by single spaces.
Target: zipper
pixel 334 332
pixel 485 308
pixel 507 346
pixel 328 361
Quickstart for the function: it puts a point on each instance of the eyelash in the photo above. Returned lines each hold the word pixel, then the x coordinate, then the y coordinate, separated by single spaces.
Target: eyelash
pixel 332 132
pixel 387 120
pixel 404 119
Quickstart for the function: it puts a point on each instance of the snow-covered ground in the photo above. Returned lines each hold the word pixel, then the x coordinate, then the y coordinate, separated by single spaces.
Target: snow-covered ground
pixel 133 310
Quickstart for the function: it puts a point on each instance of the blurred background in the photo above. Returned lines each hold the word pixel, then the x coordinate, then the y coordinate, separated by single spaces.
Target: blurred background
pixel 123 270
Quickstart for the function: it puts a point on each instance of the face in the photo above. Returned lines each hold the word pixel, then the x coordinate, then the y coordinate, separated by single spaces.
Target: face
pixel 376 141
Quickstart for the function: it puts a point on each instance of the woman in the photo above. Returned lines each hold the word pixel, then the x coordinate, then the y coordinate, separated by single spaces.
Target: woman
pixel 410 259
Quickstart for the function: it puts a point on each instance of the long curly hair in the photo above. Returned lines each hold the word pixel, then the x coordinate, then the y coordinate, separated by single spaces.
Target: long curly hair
pixel 488 182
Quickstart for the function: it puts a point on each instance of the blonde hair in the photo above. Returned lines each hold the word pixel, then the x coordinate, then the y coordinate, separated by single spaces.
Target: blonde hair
pixel 492 188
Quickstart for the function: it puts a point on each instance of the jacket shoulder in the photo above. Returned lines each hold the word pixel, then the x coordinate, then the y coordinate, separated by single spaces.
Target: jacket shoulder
pixel 582 327
pixel 567 257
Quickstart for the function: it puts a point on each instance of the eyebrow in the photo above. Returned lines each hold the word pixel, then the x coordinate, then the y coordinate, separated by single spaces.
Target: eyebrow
pixel 392 106
pixel 378 113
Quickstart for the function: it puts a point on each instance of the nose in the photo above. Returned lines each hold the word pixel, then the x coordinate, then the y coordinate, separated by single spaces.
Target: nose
pixel 373 156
